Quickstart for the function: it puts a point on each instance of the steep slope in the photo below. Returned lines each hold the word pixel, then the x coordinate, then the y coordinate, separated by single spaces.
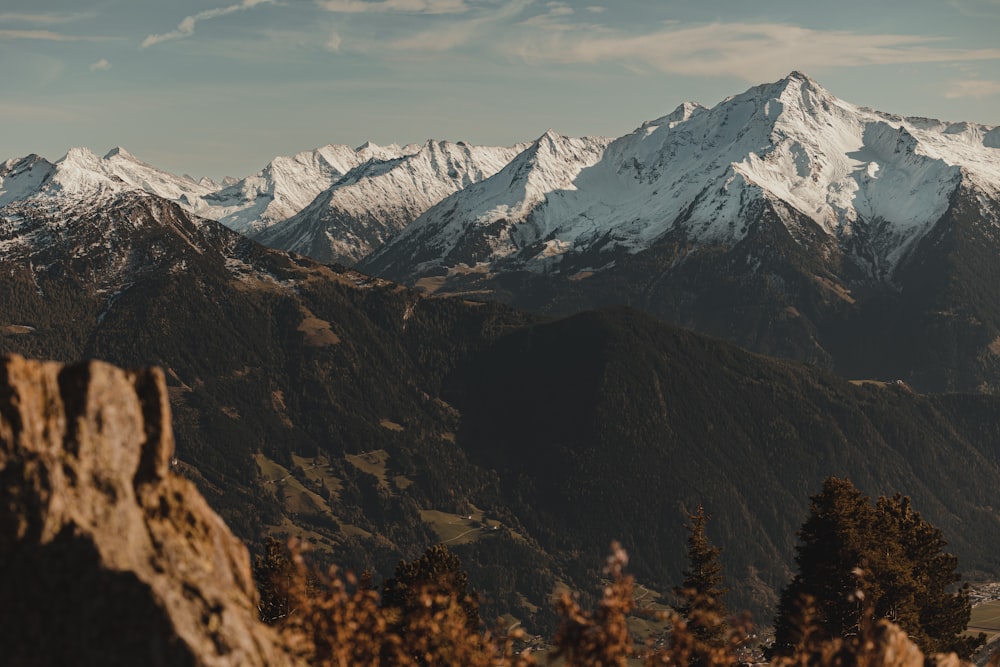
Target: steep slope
pixel 480 223
pixel 783 219
pixel 82 174
pixel 304 399
pixel 376 200
pixel 285 186
pixel 612 425
pixel 373 422
pixel 864 178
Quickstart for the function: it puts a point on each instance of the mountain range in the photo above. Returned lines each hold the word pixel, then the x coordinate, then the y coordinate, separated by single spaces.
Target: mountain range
pixel 373 419
pixel 783 219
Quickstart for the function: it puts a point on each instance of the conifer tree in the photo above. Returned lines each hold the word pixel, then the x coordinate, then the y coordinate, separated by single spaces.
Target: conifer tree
pixel 857 558
pixel 701 594
pixel 438 571
pixel 942 613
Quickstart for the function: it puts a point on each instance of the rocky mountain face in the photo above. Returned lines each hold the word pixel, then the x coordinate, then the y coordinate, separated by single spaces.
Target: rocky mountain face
pixel 316 401
pixel 369 205
pixel 372 421
pixel 334 203
pixel 783 219
pixel 109 558
pixel 305 399
pixel 285 186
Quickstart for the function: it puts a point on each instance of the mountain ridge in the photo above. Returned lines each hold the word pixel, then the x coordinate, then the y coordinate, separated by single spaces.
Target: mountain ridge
pixel 317 402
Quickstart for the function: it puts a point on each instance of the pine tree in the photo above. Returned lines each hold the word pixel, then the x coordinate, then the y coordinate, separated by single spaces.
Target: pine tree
pixel 700 596
pixel 857 558
pixel 438 572
pixel 831 547
pixel 942 613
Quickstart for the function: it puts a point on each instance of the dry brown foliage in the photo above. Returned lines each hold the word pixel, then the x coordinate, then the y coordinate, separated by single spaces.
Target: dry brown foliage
pixel 599 638
pixel 877 643
pixel 332 621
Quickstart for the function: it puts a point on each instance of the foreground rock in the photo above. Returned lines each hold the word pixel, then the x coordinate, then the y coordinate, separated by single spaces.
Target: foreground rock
pixel 106 558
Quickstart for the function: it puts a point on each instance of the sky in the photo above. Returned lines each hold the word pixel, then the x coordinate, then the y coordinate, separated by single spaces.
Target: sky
pixel 219 87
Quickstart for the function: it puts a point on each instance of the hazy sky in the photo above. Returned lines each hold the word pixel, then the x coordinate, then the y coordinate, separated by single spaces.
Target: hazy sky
pixel 217 87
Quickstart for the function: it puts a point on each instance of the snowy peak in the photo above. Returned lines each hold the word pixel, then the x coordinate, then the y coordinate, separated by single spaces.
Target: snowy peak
pixel 683 112
pixel 118 151
pixel 23 177
pixel 865 179
pixel 380 197
pixel 285 186
pixel 484 220
pixel 81 175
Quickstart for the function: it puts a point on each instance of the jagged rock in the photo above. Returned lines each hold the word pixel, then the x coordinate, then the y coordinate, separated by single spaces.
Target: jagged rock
pixel 106 558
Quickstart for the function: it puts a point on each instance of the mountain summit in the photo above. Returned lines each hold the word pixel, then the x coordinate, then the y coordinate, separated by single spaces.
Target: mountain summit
pixel 378 198
pixel 784 219
pixel 851 174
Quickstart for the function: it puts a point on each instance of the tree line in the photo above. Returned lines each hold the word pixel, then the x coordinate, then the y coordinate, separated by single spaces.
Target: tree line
pixel 870 577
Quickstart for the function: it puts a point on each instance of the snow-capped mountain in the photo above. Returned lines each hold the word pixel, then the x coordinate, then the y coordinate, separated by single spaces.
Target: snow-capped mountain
pixel 81 175
pixel 783 219
pixel 286 185
pixel 473 221
pixel 358 213
pixel 858 175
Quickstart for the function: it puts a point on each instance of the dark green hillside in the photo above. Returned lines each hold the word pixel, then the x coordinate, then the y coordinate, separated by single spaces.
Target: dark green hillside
pixel 372 422
pixel 932 320
pixel 610 424
pixel 304 399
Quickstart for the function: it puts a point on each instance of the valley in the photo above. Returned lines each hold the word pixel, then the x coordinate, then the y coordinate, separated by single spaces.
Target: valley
pixel 527 352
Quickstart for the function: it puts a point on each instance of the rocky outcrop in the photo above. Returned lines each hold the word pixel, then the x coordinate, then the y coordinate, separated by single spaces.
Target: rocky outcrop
pixel 106 558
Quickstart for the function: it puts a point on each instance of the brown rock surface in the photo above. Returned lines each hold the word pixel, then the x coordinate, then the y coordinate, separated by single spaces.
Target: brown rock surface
pixel 106 558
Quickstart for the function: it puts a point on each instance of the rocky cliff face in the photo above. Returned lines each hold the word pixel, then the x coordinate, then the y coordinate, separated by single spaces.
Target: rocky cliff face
pixel 106 557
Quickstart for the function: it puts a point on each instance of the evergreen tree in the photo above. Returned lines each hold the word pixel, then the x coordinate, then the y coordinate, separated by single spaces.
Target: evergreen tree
pixel 831 547
pixel 857 558
pixel 700 596
pixel 942 612
pixel 437 572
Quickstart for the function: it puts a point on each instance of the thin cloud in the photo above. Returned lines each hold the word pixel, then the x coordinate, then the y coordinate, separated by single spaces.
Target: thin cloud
pixel 187 25
pixel 101 65
pixel 45 18
pixel 402 6
pixel 747 51
pixel 559 9
pixel 333 44
pixel 595 9
pixel 975 89
pixel 984 9
pixel 457 34
pixel 48 36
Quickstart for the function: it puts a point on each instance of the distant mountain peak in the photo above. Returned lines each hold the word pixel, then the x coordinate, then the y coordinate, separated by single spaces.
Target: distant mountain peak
pixel 80 155
pixel 118 151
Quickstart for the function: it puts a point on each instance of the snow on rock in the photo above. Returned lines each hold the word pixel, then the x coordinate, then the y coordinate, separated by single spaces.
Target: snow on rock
pixel 700 172
pixel 539 175
pixel 21 178
pixel 378 198
pixel 82 175
pixel 285 186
